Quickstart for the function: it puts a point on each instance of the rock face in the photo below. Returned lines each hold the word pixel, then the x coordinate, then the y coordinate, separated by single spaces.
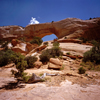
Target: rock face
pixel 11 32
pixel 70 27
pixel 22 47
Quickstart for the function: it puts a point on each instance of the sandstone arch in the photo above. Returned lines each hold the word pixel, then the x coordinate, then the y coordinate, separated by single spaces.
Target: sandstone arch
pixel 70 27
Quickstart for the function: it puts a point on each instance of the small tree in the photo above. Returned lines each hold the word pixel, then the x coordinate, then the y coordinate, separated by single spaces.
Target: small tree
pixel 30 61
pixel 56 43
pixel 93 55
pixel 55 51
pixel 36 40
pixel 81 70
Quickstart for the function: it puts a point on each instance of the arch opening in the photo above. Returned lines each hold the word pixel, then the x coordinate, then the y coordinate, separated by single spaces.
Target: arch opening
pixel 49 37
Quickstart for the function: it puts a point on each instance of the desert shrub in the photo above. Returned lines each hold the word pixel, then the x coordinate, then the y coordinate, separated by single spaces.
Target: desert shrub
pixel 22 38
pixel 89 65
pixel 17 57
pixel 55 51
pixel 45 56
pixel 50 53
pixel 65 37
pixel 25 77
pixel 36 40
pixel 68 53
pixel 83 39
pixel 21 67
pixel 30 61
pixel 56 43
pixel 6 57
pixel 45 43
pixel 93 55
pixel 81 70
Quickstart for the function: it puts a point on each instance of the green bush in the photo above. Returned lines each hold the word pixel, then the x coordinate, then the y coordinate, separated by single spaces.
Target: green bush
pixel 81 70
pixel 6 57
pixel 55 51
pixel 30 61
pixel 50 53
pixel 83 39
pixel 65 37
pixel 93 55
pixel 45 43
pixel 45 56
pixel 56 43
pixel 36 40
pixel 25 77
pixel 68 53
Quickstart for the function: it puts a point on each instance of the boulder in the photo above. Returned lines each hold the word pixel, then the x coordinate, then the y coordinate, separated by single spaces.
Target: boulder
pixel 14 42
pixel 10 65
pixel 16 49
pixel 64 57
pixel 30 46
pixel 34 79
pixel 55 61
pixel 53 66
pixel 38 64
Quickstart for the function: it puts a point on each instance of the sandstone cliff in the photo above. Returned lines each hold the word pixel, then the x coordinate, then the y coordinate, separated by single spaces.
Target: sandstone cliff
pixel 70 27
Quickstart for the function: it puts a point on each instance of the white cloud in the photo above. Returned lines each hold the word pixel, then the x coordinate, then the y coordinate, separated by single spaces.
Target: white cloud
pixel 34 21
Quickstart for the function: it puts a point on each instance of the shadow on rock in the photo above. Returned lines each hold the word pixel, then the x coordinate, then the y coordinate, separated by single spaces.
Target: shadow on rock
pixel 12 85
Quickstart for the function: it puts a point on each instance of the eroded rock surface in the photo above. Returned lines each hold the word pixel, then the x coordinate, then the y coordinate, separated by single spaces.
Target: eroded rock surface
pixel 70 27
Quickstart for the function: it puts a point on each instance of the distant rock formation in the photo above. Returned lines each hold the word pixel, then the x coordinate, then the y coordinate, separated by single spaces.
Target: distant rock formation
pixel 70 27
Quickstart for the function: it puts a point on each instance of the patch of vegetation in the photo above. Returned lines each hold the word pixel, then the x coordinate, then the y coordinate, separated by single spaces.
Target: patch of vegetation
pixel 65 37
pixel 54 52
pixel 52 21
pixel 25 77
pixel 91 65
pixel 30 61
pixel 93 55
pixel 56 43
pixel 6 57
pixel 47 79
pixel 59 57
pixel 81 70
pixel 83 39
pixel 68 53
pixel 22 38
pixel 45 56
pixel 41 74
pixel 36 40
pixel 62 68
pixel 45 43
pixel 91 58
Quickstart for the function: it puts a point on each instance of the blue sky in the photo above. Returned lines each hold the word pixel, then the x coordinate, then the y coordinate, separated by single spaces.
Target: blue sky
pixel 20 12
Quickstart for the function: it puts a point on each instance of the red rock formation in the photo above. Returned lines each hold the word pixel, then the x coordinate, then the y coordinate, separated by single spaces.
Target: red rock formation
pixel 70 27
